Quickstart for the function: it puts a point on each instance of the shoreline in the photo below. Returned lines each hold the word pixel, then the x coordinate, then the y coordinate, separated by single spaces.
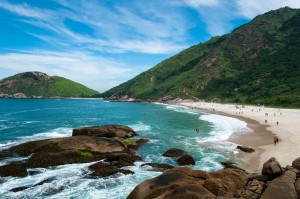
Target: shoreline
pixel 288 148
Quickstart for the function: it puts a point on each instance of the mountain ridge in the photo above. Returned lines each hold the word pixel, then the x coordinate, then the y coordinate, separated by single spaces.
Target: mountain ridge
pixel 36 84
pixel 252 64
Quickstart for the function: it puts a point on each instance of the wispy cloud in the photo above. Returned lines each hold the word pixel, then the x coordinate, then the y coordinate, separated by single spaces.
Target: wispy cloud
pixel 219 15
pixel 95 72
pixel 114 29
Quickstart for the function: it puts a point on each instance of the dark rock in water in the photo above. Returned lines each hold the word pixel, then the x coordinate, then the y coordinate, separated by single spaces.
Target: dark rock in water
pixel 13 169
pixel 158 167
pixel 17 189
pixel 106 131
pixel 186 159
pixel 281 187
pixel 122 159
pixel 183 182
pixel 22 188
pixel 272 168
pixel 246 149
pixel 296 164
pixel 173 152
pixel 103 170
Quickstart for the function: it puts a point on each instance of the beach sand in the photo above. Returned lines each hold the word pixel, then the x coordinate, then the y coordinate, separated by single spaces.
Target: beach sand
pixel 263 121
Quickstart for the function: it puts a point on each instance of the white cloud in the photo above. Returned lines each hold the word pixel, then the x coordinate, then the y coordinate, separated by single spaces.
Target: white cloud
pixel 252 8
pixel 199 3
pixel 93 71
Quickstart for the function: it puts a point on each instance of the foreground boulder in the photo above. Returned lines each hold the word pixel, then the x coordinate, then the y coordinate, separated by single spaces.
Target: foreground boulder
pixel 106 131
pixel 188 183
pixel 272 168
pixel 13 169
pixel 296 163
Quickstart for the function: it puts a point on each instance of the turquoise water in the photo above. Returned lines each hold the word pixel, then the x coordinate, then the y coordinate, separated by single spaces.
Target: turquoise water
pixel 165 126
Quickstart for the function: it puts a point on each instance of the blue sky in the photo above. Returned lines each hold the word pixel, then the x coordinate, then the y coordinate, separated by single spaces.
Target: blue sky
pixel 102 43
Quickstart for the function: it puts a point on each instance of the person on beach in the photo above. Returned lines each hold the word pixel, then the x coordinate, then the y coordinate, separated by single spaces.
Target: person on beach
pixel 276 140
pixel 277 123
pixel 266 121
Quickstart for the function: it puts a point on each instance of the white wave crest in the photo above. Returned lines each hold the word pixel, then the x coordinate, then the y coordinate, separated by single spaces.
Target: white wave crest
pixel 140 127
pixel 223 127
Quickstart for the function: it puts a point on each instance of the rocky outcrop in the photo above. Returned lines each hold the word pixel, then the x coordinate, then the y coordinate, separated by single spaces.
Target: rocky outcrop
pixel 182 182
pixel 106 131
pixel 158 167
pixel 173 152
pixel 35 75
pixel 188 183
pixel 116 152
pixel 246 149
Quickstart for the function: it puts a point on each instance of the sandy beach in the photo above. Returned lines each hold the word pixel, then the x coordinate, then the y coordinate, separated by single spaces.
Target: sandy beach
pixel 270 122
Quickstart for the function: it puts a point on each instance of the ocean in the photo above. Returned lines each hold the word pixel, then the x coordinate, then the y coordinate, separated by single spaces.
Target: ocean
pixel 166 126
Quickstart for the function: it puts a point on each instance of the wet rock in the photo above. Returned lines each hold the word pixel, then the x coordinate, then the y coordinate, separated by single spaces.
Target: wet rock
pixel 272 168
pixel 103 170
pixel 105 131
pixel 281 187
pixel 13 169
pixel 158 167
pixel 296 163
pixel 246 149
pixel 173 152
pixel 17 189
pixel 183 182
pixel 186 159
pixel 122 159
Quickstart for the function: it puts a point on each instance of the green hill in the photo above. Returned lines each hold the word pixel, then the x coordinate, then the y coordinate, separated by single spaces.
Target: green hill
pixel 40 84
pixel 258 63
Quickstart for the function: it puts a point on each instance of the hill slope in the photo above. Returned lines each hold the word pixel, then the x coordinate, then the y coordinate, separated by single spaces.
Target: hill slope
pixel 257 63
pixel 40 84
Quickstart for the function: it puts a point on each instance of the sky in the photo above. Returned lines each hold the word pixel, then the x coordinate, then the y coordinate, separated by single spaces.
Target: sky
pixel 103 43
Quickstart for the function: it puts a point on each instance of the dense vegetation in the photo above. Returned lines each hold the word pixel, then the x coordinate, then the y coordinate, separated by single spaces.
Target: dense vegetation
pixel 258 63
pixel 40 84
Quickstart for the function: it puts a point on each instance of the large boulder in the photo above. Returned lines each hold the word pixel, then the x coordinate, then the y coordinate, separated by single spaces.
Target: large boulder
pixel 272 168
pixel 296 164
pixel 185 182
pixel 253 189
pixel 281 187
pixel 186 159
pixel 103 170
pixel 105 131
pixel 173 152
